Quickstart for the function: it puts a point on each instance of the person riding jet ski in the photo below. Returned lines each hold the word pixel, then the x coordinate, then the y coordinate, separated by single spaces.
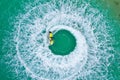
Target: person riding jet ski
pixel 51 38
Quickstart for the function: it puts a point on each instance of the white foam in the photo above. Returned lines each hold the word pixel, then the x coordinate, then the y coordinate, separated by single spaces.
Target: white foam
pixel 32 45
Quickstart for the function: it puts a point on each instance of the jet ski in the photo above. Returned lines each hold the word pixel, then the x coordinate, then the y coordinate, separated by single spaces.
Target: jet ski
pixel 51 41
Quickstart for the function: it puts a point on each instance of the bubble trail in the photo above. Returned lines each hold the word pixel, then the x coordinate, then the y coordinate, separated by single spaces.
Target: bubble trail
pixel 89 60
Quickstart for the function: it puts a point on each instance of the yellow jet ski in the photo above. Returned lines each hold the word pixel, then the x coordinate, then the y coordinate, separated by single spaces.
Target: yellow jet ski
pixel 51 38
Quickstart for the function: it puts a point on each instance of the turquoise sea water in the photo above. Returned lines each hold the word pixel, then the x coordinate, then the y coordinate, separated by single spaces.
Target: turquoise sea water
pixel 23 51
pixel 65 39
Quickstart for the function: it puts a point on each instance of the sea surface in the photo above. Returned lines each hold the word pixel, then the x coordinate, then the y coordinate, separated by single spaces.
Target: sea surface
pixel 24 52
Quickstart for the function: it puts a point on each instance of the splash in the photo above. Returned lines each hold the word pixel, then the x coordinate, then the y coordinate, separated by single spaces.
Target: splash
pixel 88 61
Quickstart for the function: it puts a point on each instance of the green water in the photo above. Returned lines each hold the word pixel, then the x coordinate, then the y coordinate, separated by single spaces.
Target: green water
pixel 10 9
pixel 64 43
